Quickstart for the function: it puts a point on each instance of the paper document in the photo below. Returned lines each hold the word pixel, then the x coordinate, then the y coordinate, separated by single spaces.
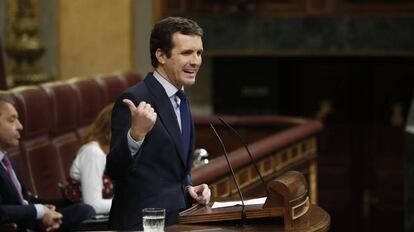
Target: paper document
pixel 254 201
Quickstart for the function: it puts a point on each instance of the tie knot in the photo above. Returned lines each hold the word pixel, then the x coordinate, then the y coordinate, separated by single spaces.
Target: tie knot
pixel 181 95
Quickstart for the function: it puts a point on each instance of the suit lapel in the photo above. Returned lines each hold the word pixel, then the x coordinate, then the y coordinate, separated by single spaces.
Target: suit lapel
pixel 192 140
pixel 166 114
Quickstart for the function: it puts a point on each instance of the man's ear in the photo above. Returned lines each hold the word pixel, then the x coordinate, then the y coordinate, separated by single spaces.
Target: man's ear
pixel 161 57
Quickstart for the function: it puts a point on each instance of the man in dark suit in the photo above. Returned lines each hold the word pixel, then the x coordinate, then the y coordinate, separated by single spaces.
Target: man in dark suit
pixel 153 132
pixel 15 204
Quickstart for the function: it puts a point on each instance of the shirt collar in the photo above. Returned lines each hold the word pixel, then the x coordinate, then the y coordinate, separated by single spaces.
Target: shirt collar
pixel 170 89
pixel 2 154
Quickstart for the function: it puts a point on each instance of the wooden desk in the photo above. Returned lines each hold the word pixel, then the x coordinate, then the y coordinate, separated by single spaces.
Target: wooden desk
pixel 316 220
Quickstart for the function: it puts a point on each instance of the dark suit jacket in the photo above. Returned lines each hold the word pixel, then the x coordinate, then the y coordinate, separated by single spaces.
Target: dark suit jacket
pixel 157 175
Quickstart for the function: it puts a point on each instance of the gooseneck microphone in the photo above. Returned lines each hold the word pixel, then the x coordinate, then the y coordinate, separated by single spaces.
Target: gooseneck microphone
pixel 243 212
pixel 247 149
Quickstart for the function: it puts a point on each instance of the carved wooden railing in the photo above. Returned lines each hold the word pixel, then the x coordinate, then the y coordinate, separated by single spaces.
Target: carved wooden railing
pixel 287 143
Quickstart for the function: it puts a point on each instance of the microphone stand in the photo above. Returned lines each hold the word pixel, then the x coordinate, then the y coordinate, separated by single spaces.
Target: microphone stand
pixel 248 151
pixel 243 212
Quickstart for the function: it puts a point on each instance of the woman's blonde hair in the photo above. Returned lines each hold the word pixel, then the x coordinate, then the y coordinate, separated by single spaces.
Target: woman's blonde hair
pixel 100 129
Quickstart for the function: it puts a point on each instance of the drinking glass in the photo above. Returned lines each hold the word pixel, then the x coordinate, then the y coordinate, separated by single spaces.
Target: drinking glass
pixel 153 219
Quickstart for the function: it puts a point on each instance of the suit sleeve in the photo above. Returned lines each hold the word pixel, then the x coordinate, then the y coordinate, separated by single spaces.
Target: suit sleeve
pixel 188 180
pixel 119 159
pixel 23 215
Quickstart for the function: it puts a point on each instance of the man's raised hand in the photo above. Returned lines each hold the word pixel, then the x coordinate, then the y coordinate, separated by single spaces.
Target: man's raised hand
pixel 143 118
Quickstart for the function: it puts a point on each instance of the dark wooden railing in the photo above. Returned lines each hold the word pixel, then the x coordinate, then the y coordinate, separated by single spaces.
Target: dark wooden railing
pixel 277 144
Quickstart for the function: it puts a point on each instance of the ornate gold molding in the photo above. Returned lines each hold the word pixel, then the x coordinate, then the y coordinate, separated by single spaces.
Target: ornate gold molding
pixel 24 46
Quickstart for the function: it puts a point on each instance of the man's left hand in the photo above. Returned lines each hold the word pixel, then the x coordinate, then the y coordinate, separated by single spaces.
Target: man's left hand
pixel 200 193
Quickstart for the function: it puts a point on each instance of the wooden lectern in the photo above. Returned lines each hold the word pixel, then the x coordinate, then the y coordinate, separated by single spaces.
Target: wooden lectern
pixel 287 198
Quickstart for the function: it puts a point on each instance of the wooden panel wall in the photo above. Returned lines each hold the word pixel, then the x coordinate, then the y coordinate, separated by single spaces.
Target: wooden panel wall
pixel 286 7
pixel 363 103
pixel 95 36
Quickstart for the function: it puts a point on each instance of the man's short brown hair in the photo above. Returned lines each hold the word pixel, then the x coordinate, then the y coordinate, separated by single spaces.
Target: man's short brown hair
pixel 161 35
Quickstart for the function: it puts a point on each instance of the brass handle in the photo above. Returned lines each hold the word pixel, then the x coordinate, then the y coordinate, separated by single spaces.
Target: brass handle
pixel 305 209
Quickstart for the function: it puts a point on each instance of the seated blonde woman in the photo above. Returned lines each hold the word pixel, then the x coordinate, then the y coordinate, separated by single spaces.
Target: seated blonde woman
pixel 88 168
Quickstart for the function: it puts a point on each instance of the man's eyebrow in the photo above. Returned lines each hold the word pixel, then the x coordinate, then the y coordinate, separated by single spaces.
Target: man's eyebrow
pixel 187 51
pixel 192 50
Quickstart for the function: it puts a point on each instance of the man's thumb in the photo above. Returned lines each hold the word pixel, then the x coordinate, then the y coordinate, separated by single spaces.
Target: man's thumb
pixel 129 103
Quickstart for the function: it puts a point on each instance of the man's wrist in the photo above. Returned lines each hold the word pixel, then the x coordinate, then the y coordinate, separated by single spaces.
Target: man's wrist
pixel 136 135
pixel 40 211
pixel 133 144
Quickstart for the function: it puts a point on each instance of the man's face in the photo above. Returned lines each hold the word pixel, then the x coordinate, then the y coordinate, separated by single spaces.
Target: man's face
pixel 9 126
pixel 182 66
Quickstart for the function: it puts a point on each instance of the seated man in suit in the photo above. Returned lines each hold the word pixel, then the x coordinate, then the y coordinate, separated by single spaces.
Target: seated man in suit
pixel 15 205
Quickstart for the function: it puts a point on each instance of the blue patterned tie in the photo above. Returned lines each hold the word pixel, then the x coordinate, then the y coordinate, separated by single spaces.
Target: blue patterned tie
pixel 185 123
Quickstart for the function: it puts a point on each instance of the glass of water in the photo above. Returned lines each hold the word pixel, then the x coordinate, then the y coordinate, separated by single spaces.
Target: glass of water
pixel 153 219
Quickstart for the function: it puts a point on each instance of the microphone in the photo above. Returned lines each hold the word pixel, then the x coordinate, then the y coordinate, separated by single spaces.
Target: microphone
pixel 247 149
pixel 243 212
